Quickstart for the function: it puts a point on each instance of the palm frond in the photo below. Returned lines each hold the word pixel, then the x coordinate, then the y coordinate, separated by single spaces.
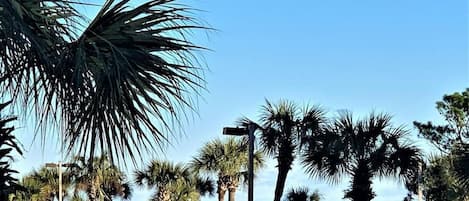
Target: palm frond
pixel 297 194
pixel 120 87
pixel 132 67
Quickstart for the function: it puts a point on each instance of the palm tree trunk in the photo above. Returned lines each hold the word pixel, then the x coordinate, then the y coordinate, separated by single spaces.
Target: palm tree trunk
pixel 281 179
pixel 232 194
pixel 163 194
pixel 361 184
pixel 221 189
pixel 221 195
pixel 92 192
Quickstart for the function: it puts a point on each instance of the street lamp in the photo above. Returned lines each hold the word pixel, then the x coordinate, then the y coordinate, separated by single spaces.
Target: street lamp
pixel 251 128
pixel 59 170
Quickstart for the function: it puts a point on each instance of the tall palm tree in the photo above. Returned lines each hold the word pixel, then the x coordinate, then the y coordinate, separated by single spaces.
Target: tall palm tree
pixel 8 144
pixel 282 126
pixel 99 178
pixel 363 149
pixel 228 160
pixel 173 182
pixel 109 82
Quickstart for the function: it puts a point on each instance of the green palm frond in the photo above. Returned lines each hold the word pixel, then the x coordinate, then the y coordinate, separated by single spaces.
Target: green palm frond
pixel 8 144
pixel 100 174
pixel 175 178
pixel 132 66
pixel 461 163
pixel 371 142
pixel 297 194
pixel 118 85
pixel 205 186
pixel 225 157
pixel 161 173
pixel 33 37
pixel 43 184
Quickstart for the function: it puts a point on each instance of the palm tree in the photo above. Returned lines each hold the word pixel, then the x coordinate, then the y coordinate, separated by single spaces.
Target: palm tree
pixel 282 127
pixel 99 178
pixel 228 160
pixel 43 185
pixel 8 144
pixel 363 149
pixel 173 182
pixel 112 80
pixel 302 194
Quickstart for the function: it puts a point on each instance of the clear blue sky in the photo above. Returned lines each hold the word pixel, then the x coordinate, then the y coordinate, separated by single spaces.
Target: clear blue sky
pixel 396 56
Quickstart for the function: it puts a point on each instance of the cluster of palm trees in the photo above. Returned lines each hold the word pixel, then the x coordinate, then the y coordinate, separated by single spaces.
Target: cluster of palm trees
pixel 330 148
pixel 92 180
pixel 115 83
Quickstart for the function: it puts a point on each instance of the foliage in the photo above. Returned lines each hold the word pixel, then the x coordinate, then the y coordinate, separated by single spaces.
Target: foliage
pixel 442 178
pixel 363 149
pixel 173 182
pixel 8 144
pixel 440 182
pixel 115 83
pixel 282 127
pixel 452 138
pixel 454 108
pixel 408 197
pixel 302 194
pixel 228 160
pixel 99 178
pixel 43 184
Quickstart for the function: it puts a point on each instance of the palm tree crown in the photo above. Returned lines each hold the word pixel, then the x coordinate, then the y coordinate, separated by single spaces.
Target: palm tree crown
pixel 364 149
pixel 302 194
pixel 228 160
pixel 43 184
pixel 128 72
pixel 282 127
pixel 99 178
pixel 173 182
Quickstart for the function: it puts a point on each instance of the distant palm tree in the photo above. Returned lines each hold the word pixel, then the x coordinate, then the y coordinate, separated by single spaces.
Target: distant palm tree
pixel 112 79
pixel 173 182
pixel 8 144
pixel 228 160
pixel 99 178
pixel 364 149
pixel 43 185
pixel 283 126
pixel 302 194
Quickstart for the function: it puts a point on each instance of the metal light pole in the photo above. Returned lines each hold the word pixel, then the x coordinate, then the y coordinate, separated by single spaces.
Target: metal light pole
pixel 59 166
pixel 251 129
pixel 250 132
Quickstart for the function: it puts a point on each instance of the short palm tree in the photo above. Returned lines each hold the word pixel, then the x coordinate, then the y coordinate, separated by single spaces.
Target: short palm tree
pixel 302 194
pixel 228 160
pixel 441 182
pixel 99 178
pixel 363 149
pixel 8 144
pixel 43 185
pixel 114 83
pixel 283 126
pixel 173 182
